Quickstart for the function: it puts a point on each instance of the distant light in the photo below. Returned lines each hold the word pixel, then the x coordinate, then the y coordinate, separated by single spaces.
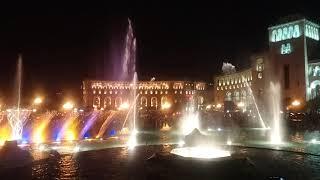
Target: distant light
pixel 124 106
pixel 54 147
pixel 41 147
pixel 181 143
pixel 218 105
pixel 34 110
pixel 240 104
pixel 209 129
pixel 313 141
pixel 75 110
pixel 296 103
pixel 229 142
pixel 37 100
pixel 165 105
pixel 219 129
pixel 68 105
pixel 76 149
pixel 208 107
pixel 81 110
pixel 201 152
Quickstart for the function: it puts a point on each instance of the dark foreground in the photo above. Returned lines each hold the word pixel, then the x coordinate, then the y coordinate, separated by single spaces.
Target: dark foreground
pixel 120 163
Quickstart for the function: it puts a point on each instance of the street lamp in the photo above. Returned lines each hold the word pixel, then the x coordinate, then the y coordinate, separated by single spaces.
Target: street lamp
pixel 296 103
pixel 68 105
pixel 37 101
pixel 165 106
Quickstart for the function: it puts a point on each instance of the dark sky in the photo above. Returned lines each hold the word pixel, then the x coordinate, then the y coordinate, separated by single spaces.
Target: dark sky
pixel 62 44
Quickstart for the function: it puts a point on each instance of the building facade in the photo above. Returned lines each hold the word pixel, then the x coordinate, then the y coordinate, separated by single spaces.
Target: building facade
pixel 156 95
pixel 293 61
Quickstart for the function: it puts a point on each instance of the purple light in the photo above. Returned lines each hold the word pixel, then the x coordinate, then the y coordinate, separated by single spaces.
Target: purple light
pixel 89 123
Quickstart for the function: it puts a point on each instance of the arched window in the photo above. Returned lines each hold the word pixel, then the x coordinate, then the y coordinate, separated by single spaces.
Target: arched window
pixel 107 102
pixel 316 71
pixel 236 96
pixel 117 102
pixel 144 101
pixel 200 100
pixel 228 96
pixel 96 101
pixel 164 99
pixel 154 102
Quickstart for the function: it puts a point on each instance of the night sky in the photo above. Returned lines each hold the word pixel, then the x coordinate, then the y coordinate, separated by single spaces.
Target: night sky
pixel 64 44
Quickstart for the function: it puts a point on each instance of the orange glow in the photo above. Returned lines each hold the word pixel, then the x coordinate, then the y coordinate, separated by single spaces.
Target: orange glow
pixel 68 131
pixel 5 134
pixel 68 106
pixel 39 135
pixel 70 135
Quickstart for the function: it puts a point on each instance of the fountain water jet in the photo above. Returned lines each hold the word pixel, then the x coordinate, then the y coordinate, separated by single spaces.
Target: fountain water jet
pixel 105 124
pixel 18 117
pixel 263 125
pixel 275 104
pixel 89 123
pixel 190 122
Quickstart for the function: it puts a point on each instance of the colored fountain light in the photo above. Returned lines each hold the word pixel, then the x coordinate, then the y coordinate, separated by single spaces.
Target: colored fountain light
pixel 70 135
pixel 201 152
pixel 4 135
pixel 39 132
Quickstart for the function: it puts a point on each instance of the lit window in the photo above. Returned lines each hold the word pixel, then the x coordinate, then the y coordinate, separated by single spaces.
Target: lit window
pixel 175 92
pixel 166 92
pixel 151 92
pixel 180 92
pixel 286 48
pixel 156 92
pixel 94 92
pixel 105 92
pixel 218 88
pixel 160 92
pixel 260 75
pixel 116 92
pixel 145 92
pixel 110 92
pixel 99 92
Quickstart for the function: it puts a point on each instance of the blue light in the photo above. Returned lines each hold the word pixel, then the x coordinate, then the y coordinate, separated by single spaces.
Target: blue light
pixel 113 132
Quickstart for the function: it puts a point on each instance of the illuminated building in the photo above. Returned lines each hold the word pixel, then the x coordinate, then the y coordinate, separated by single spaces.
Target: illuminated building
pixel 294 51
pixel 293 60
pixel 238 87
pixel 155 95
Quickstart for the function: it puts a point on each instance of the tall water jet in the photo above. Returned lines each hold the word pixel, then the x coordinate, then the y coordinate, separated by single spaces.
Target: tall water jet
pixel 129 57
pixel 17 117
pixel 132 142
pixel 275 108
